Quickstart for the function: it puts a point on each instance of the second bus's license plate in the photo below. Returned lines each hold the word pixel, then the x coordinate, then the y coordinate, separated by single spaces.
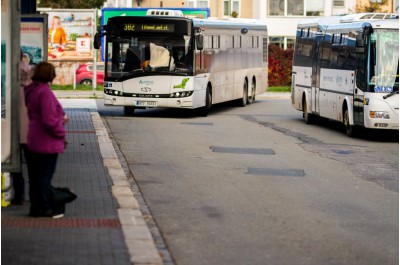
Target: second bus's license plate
pixel 146 103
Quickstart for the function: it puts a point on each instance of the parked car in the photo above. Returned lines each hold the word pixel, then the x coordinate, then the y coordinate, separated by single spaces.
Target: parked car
pixel 84 74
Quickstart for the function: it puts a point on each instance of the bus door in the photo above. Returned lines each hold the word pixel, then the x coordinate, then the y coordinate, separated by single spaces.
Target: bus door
pixel 361 83
pixel 358 106
pixel 315 76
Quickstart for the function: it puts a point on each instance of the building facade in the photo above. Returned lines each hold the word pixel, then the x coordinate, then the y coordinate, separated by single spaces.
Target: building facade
pixel 281 16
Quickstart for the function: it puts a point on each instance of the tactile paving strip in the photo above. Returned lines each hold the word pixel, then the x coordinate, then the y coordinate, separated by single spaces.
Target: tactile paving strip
pixel 61 223
pixel 80 131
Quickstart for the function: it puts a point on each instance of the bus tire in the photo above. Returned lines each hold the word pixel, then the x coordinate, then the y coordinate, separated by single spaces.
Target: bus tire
pixel 203 111
pixel 245 98
pixel 129 110
pixel 308 117
pixel 252 96
pixel 351 130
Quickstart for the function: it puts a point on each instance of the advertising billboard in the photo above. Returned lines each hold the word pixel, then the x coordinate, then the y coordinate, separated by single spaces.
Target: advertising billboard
pixel 68 30
pixel 115 12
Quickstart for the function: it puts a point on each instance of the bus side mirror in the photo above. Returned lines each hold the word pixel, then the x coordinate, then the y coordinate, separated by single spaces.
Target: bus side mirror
pixel 199 42
pixel 96 41
pixel 360 43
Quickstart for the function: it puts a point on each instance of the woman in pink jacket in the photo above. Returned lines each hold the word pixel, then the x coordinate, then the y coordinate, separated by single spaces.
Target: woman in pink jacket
pixel 46 139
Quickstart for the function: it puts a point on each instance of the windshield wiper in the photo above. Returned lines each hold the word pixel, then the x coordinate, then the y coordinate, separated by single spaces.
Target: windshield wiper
pixel 391 94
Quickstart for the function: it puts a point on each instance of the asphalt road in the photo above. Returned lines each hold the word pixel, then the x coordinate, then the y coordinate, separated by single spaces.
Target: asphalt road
pixel 256 185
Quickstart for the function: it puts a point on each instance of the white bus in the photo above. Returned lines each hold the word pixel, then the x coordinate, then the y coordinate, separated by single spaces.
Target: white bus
pixel 176 62
pixel 347 69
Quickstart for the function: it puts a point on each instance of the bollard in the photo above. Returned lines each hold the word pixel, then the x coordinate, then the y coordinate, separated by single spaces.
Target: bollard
pixel 5 189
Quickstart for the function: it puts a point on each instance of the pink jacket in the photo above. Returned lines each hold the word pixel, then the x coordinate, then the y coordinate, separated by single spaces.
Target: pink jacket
pixel 46 133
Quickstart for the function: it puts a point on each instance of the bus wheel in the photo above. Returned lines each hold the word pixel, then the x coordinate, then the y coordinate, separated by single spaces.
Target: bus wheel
pixel 308 117
pixel 206 109
pixel 350 129
pixel 245 98
pixel 253 93
pixel 129 111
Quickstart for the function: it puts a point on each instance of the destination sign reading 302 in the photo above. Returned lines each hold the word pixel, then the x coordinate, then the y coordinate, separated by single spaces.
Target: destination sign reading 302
pixel 149 27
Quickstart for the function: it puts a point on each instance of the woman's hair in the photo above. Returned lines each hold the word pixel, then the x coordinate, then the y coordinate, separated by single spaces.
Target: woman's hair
pixel 44 72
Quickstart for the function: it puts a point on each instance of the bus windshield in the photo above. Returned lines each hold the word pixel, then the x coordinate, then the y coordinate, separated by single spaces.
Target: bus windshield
pixel 129 56
pixel 384 63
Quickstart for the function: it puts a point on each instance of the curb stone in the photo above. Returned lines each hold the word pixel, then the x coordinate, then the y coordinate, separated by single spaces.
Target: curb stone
pixel 138 239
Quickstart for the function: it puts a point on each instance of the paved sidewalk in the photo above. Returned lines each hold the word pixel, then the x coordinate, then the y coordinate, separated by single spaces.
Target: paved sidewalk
pixel 103 226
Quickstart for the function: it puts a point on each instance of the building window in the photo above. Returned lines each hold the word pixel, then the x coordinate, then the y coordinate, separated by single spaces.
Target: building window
pixel 295 8
pixel 276 8
pixel 283 42
pixel 231 6
pixel 314 8
pixel 198 3
pixel 338 3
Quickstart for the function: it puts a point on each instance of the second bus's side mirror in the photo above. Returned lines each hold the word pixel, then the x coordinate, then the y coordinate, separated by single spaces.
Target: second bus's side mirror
pixel 199 42
pixel 96 41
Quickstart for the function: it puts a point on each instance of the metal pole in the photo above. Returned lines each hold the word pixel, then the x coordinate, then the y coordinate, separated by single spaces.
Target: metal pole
pixel 94 83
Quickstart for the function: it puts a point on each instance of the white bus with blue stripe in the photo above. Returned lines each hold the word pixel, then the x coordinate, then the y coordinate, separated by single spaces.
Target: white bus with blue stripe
pixel 346 68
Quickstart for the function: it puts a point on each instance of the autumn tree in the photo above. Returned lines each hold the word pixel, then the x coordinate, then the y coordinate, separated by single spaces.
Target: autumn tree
pixel 279 66
pixel 376 6
pixel 70 3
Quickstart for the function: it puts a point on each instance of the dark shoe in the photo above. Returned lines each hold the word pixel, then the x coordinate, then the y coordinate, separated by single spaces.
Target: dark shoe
pixel 19 201
pixel 48 213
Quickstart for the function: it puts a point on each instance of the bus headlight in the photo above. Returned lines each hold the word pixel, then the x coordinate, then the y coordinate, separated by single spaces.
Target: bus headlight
pixel 181 94
pixel 379 115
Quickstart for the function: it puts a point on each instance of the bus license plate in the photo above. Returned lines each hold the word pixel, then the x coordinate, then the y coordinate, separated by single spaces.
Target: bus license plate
pixel 146 103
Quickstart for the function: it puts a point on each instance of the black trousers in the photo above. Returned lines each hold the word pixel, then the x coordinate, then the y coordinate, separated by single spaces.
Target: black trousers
pixel 41 168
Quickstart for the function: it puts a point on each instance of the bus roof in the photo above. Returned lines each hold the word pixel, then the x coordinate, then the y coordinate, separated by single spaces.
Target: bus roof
pixel 359 25
pixel 324 22
pixel 250 24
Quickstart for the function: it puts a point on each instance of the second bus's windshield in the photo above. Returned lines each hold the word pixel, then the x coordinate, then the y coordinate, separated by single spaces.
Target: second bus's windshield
pixel 148 54
pixel 384 65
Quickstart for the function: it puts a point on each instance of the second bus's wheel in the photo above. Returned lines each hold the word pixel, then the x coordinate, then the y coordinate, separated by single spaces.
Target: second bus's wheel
pixel 252 96
pixel 245 98
pixel 129 111
pixel 350 129
pixel 308 117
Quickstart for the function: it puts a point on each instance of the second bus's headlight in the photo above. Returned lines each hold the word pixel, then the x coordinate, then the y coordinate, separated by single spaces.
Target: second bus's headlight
pixel 379 115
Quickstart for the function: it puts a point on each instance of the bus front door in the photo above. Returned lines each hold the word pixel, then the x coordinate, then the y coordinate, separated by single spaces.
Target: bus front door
pixel 315 76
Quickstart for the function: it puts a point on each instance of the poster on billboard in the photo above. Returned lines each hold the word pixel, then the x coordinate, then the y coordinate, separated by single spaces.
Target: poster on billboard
pixel 66 30
pixel 34 38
